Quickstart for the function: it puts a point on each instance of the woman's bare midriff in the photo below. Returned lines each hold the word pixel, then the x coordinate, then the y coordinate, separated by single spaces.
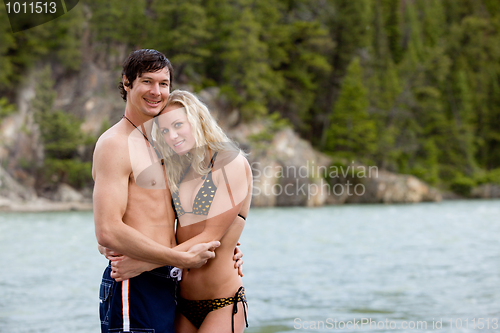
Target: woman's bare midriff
pixel 218 278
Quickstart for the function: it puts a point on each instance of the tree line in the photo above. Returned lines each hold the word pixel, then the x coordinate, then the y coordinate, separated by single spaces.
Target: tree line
pixel 412 86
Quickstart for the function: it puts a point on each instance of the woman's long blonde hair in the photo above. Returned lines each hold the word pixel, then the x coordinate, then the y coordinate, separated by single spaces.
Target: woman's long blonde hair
pixel 207 134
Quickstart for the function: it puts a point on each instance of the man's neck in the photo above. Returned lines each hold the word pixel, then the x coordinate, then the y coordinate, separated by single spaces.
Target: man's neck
pixel 139 120
pixel 136 116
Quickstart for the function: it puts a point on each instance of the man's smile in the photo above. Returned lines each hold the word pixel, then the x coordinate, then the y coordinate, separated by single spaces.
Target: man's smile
pixel 154 103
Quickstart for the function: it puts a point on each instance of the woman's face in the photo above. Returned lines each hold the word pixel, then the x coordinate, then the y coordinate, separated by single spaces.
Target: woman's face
pixel 176 129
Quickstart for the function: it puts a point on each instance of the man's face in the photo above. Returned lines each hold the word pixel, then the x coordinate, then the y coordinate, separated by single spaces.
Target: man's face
pixel 149 92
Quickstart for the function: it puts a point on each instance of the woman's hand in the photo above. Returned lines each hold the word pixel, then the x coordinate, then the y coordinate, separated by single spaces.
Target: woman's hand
pixel 124 268
pixel 238 262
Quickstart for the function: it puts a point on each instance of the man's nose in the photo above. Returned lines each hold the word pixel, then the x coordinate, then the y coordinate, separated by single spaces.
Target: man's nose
pixel 155 89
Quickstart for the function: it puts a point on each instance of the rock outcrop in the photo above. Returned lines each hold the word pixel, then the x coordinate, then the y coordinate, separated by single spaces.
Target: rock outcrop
pixel 386 187
pixel 289 172
pixel 486 191
pixel 16 197
pixel 11 190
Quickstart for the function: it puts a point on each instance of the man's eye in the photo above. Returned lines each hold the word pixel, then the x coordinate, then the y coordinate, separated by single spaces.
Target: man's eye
pixel 165 84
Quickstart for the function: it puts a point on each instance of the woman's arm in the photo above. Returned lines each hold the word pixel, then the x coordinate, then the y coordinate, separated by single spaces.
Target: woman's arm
pixel 233 187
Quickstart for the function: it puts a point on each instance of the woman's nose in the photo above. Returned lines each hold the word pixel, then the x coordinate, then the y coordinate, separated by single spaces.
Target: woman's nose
pixel 173 134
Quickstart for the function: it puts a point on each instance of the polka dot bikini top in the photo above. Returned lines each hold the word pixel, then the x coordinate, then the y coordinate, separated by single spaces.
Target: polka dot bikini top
pixel 204 198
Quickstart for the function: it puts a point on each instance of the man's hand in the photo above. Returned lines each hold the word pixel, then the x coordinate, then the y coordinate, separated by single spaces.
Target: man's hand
pixel 238 262
pixel 123 267
pixel 108 253
pixel 199 254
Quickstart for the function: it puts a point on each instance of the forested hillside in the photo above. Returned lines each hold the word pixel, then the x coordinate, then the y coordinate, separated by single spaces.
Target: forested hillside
pixel 412 86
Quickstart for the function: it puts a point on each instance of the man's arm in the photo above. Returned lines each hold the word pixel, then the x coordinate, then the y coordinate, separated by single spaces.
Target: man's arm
pixel 124 268
pixel 111 170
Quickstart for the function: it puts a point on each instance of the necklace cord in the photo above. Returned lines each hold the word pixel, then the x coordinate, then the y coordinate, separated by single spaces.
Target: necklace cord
pixel 144 135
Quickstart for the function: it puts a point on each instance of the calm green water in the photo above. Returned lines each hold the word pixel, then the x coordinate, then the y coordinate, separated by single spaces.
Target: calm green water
pixel 399 266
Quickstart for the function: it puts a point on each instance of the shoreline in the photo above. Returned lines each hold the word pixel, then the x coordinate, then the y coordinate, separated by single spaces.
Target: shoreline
pixel 44 205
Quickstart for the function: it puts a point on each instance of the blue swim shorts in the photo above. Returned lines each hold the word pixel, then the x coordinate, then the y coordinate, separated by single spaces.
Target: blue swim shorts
pixel 145 303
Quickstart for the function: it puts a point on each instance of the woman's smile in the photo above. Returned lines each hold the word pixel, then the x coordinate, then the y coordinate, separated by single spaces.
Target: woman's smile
pixel 179 143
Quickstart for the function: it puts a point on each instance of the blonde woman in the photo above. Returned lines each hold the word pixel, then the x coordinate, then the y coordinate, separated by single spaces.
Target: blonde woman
pixel 211 185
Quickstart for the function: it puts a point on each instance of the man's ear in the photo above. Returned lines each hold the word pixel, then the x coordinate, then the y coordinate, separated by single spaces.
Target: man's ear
pixel 125 83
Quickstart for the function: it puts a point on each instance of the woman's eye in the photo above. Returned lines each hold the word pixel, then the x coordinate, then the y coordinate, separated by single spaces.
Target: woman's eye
pixel 177 125
pixel 164 131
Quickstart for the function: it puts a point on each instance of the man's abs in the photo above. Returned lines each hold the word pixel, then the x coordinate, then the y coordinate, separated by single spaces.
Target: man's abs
pixel 149 212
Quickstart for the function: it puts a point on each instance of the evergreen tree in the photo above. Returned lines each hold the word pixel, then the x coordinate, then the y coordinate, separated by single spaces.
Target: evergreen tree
pixel 476 41
pixel 415 46
pixel 392 28
pixel 385 89
pixel 492 6
pixel 433 21
pixel 60 132
pixel 239 62
pixel 61 136
pixel 431 162
pixel 6 108
pixel 462 111
pixel 349 29
pixel 181 31
pixel 7 42
pixel 114 23
pixel 352 132
pixel 303 70
pixel 66 42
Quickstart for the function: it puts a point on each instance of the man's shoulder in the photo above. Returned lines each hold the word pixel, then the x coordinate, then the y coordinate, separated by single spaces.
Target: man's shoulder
pixel 112 148
pixel 113 138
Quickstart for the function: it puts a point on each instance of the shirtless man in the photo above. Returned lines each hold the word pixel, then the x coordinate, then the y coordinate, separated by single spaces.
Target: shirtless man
pixel 134 220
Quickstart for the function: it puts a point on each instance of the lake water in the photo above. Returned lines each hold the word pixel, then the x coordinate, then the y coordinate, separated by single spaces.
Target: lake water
pixel 307 270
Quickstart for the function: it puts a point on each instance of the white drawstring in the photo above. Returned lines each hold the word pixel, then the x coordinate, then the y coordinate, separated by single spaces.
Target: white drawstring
pixel 176 273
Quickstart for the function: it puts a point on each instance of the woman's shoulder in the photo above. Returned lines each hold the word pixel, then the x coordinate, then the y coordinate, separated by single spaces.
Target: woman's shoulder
pixel 229 158
pixel 232 166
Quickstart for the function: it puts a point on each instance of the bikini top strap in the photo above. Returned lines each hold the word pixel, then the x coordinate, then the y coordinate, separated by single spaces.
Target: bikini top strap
pixel 213 160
